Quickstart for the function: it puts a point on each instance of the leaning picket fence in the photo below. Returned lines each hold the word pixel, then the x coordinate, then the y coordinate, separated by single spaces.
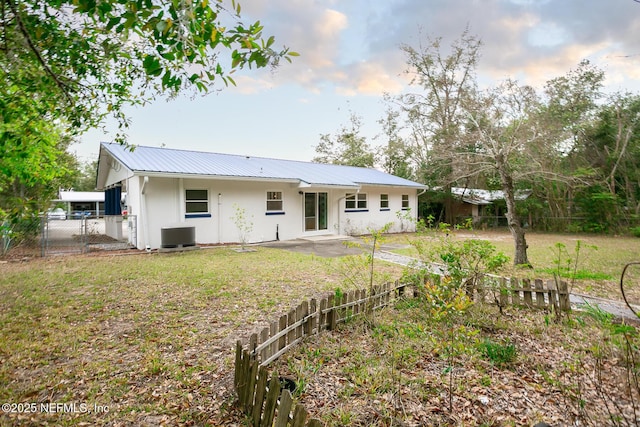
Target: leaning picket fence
pixel 267 402
pixel 262 398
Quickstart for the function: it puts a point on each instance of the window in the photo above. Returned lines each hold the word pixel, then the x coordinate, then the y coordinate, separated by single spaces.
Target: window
pixel 274 201
pixel 196 203
pixel 405 202
pixel 356 201
pixel 384 201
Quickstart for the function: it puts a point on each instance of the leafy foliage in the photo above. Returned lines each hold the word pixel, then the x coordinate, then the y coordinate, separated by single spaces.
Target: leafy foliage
pixel 243 223
pixel 348 147
pixel 83 60
pixel 67 65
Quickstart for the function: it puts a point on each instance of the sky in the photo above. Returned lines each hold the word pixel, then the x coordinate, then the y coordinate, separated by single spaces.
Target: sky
pixel 350 57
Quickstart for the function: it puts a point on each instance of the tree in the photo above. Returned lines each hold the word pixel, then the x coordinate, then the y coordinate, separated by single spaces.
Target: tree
pixel 503 139
pixel 396 157
pixel 435 114
pixel 85 179
pixel 612 148
pixel 81 60
pixel 66 65
pixel 348 147
pixel 569 106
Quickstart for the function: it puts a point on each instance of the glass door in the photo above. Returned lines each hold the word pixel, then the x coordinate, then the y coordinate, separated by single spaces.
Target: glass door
pixel 310 209
pixel 315 211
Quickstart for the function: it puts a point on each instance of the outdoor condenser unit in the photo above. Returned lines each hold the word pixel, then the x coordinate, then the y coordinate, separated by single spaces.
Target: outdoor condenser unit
pixel 177 237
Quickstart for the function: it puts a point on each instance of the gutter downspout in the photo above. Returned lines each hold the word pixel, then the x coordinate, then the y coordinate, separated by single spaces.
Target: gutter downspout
pixel 424 190
pixel 145 221
pixel 219 218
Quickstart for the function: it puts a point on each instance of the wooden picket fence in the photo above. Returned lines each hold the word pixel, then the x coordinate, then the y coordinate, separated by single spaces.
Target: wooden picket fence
pixel 262 398
pixel 268 403
pixel 549 295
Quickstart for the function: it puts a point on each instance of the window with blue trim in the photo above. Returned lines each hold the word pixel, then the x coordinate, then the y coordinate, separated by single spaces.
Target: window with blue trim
pixel 274 201
pixel 197 203
pixel 405 202
pixel 356 201
pixel 384 202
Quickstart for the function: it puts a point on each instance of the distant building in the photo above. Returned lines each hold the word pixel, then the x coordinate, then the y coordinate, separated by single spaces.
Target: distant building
pixel 81 203
pixel 478 204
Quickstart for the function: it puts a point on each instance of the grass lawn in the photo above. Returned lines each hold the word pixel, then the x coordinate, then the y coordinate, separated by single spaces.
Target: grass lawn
pixel 600 262
pixel 147 339
pixel 148 336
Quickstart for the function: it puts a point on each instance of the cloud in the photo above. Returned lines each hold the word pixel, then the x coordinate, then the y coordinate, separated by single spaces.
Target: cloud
pixel 370 78
pixel 353 47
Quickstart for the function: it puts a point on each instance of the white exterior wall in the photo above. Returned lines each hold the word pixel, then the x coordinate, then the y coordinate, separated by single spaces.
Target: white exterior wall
pixel 358 222
pixel 163 205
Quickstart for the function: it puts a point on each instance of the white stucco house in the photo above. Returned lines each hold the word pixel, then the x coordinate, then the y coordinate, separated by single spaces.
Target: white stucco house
pixel 283 199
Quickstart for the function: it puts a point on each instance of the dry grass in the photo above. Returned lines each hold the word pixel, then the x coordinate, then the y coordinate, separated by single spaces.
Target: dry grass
pixel 600 262
pixel 149 337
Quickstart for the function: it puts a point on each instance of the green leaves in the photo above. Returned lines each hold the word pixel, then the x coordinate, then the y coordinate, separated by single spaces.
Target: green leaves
pixel 123 44
pixel 152 66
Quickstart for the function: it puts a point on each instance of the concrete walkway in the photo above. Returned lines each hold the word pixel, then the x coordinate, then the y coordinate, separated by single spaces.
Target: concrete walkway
pixel 578 301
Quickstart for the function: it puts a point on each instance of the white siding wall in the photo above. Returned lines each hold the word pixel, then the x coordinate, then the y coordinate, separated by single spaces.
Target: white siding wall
pixel 133 207
pixel 355 223
pixel 165 206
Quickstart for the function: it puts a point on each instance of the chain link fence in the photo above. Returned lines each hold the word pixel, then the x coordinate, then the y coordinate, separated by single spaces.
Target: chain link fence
pixel 61 234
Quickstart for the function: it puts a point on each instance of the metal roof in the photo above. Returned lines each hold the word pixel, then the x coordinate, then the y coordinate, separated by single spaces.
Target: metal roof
pixel 478 196
pixel 81 196
pixel 183 162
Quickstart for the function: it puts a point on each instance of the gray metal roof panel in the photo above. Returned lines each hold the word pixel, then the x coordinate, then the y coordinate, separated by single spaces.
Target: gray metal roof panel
pixel 170 161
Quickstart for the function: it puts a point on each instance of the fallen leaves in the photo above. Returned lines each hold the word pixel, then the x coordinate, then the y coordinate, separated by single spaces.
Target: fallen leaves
pixel 554 379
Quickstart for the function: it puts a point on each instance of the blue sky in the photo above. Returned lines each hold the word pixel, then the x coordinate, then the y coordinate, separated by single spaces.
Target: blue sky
pixel 350 56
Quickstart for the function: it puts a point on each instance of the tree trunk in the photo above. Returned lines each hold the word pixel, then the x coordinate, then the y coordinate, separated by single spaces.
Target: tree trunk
pixel 520 243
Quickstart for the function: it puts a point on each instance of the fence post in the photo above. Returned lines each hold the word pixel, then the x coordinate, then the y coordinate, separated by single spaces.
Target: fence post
pixel 563 291
pixel 271 402
pixel 237 371
pixel 539 293
pixel 553 294
pixel 273 330
pixel 526 285
pixel 291 319
pixel 515 291
pixel 322 316
pixel 282 325
pixel 299 416
pixel 331 315
pixel 284 409
pixel 264 336
pixel 253 343
pixel 261 386
pixel 309 326
pixel 251 370
pixel 301 313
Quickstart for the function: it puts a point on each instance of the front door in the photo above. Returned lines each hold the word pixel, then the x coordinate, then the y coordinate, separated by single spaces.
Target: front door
pixel 315 211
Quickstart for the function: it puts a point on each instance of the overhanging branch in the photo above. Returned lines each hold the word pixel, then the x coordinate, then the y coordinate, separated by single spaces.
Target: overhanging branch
pixel 63 87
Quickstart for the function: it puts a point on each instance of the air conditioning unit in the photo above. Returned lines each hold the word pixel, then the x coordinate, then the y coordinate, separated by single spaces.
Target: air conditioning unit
pixel 177 237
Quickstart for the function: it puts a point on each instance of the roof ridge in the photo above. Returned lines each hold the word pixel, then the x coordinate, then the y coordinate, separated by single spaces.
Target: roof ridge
pixel 248 156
